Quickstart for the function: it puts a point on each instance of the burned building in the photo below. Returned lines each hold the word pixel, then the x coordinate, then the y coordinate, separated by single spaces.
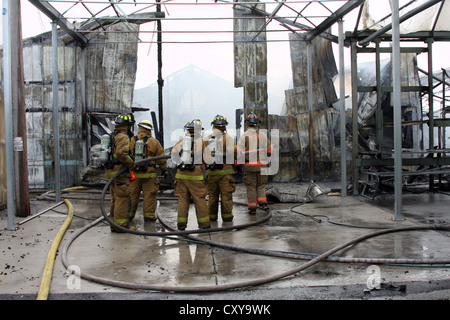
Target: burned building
pixel 95 83
pixel 97 64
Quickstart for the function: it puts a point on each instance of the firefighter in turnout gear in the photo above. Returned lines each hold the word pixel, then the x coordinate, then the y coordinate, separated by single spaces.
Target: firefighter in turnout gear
pixel 219 158
pixel 146 180
pixel 253 150
pixel 189 179
pixel 121 156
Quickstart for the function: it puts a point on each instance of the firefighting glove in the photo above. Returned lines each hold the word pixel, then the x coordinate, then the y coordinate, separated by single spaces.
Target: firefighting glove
pixel 132 167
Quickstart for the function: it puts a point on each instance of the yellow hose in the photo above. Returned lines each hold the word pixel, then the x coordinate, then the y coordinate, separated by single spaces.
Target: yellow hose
pixel 48 270
pixel 75 188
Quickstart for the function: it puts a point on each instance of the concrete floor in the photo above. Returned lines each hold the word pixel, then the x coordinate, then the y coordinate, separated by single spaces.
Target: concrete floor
pixel 175 262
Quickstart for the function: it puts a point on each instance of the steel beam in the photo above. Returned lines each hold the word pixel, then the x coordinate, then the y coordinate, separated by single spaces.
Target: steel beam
pixel 396 75
pixel 342 110
pixel 56 161
pixel 47 9
pixel 309 48
pixel 355 146
pixel 328 22
pixel 285 21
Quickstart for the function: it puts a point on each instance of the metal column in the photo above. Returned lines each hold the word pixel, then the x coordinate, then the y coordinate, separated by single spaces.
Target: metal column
pixel 355 146
pixel 379 112
pixel 342 110
pixel 430 103
pixel 310 109
pixel 56 112
pixel 7 97
pixel 397 110
pixel 160 79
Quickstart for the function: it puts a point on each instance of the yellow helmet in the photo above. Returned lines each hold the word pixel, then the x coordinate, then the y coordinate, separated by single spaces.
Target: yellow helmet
pixel 194 124
pixel 219 121
pixel 124 118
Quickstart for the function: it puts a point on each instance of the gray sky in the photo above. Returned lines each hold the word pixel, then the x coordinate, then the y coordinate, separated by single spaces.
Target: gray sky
pixel 216 58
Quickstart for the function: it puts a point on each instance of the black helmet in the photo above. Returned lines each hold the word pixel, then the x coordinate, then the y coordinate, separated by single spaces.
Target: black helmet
pixel 252 119
pixel 124 118
pixel 194 124
pixel 219 121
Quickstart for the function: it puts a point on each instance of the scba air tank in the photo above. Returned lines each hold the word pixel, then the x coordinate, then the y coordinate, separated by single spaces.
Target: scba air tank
pixel 213 146
pixel 139 150
pixel 186 152
pixel 105 148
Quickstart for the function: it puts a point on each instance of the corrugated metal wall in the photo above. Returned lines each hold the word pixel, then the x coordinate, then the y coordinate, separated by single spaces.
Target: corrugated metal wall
pixel 109 74
pixel 250 54
pixel 111 71
pixel 294 125
pixel 39 112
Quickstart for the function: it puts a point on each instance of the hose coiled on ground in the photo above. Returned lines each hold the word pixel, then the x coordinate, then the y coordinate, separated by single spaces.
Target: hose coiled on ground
pixel 216 288
pixel 312 261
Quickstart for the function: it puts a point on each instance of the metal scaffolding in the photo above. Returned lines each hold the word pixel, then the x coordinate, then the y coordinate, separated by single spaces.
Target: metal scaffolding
pixel 307 19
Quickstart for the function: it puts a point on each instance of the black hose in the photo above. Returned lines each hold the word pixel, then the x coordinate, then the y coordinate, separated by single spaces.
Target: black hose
pixel 303 256
pixel 322 257
pixel 249 283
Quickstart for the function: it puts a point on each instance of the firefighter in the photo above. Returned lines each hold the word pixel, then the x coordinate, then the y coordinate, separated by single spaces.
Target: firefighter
pixel 146 180
pixel 189 178
pixel 121 156
pixel 219 156
pixel 253 149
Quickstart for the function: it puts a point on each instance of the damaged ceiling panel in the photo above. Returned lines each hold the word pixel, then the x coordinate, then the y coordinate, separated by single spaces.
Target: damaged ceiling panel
pixel 112 70
pixel 250 54
pixel 433 15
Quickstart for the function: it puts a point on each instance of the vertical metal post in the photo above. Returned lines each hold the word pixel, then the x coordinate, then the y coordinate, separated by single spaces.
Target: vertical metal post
pixel 85 125
pixel 160 78
pixel 430 104
pixel 7 97
pixel 379 111
pixel 397 110
pixel 430 94
pixel 56 112
pixel 310 108
pixel 342 110
pixel 444 128
pixel 355 145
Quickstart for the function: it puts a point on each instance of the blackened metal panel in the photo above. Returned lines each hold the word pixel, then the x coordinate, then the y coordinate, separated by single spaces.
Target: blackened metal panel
pixel 250 49
pixel 111 70
pixel 325 162
pixel 323 67
pixel 289 147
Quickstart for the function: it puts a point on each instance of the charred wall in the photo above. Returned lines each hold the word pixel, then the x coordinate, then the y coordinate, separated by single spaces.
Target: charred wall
pixel 97 79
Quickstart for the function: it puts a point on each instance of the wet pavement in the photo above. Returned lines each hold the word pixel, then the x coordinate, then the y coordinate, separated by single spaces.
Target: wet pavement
pixel 127 266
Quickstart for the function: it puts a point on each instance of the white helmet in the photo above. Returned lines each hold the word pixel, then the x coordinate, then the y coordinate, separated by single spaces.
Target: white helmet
pixel 146 124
